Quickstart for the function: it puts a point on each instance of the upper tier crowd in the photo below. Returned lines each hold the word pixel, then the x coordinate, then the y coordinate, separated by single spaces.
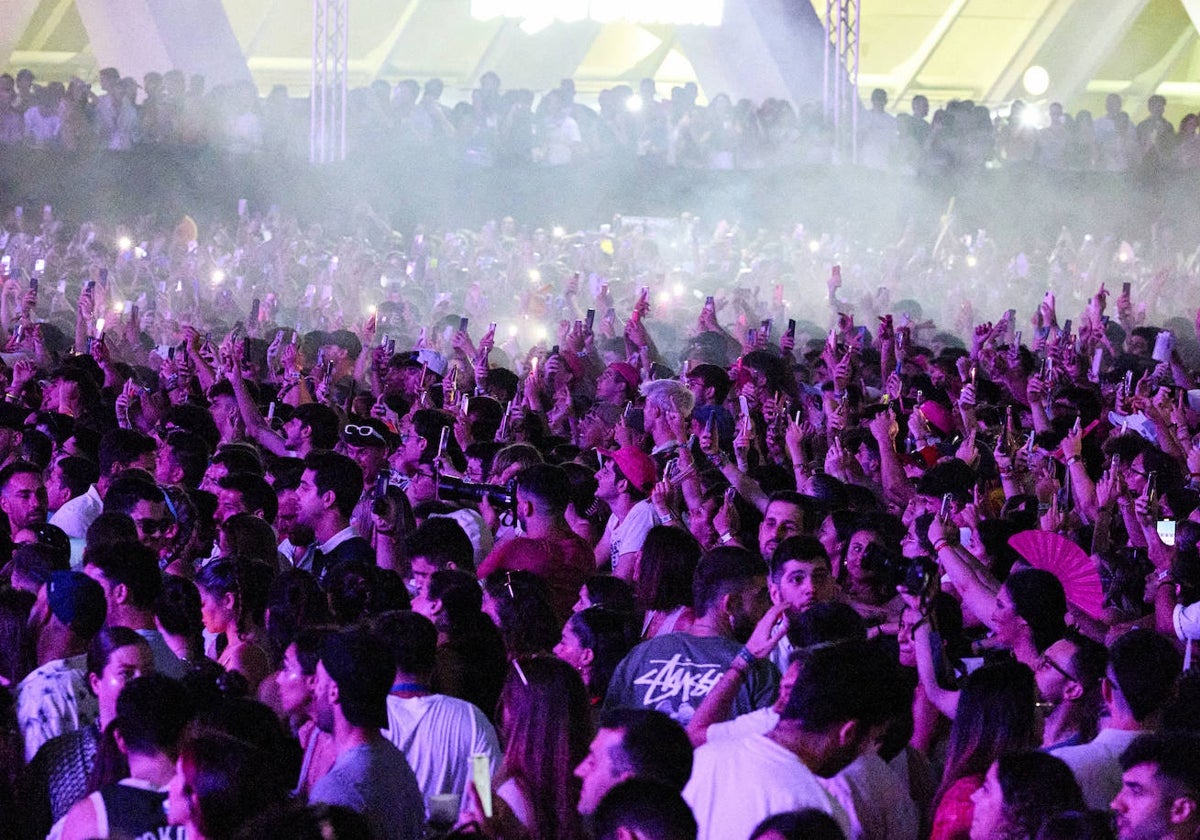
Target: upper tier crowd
pixel 666 529
pixel 497 127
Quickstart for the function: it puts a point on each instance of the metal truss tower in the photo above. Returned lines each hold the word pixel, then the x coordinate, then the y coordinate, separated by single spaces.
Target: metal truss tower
pixel 330 60
pixel 841 77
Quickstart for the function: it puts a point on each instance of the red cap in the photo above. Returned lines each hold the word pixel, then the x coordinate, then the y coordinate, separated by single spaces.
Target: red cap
pixel 636 466
pixel 627 372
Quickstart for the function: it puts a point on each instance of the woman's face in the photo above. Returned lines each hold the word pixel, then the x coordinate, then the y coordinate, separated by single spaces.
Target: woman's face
pixel 213 612
pixel 295 687
pixel 125 663
pixel 908 621
pixel 987 818
pixel 570 649
pixel 1004 616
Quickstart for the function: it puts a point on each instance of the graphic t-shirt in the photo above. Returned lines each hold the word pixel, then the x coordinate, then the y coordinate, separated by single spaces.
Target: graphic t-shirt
pixel 674 673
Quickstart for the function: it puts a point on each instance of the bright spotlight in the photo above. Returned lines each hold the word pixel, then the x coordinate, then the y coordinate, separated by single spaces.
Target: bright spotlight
pixel 559 232
pixel 678 290
pixel 535 276
pixel 633 104
pixel 814 246
pixel 1036 81
pixel 1031 117
pixel 664 297
pixel 99 326
pixel 218 277
pixel 512 330
pixel 119 307
pixel 124 243
pixel 972 261
pixel 541 333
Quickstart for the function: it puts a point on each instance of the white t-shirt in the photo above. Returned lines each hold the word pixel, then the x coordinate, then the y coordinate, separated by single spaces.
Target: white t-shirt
pixel 736 784
pixel 876 800
pixel 1097 765
pixel 438 735
pixel 627 536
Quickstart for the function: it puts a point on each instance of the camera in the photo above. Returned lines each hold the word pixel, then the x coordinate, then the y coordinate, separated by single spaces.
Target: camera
pixel 915 575
pixel 499 496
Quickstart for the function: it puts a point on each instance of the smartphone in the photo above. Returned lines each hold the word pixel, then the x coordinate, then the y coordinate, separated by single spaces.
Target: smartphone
pixel 391 346
pixel 481 776
pixel 1017 339
pixel 462 324
pixel 1067 327
pixel 171 354
pixel 1115 464
pixel 751 337
pixel 1152 486
pixel 104 277
pixel 33 284
pixel 767 326
pixel 5 265
pixel 135 316
pixel 745 404
pixel 255 305
pixel 381 484
pixel 1029 444
pixel 1126 288
pixel 791 328
pixel 271 411
pixel 1010 316
pixel 1129 382
pixel 628 408
pixel 39 267
pixel 89 286
pixel 710 302
pixel 443 440
pixel 590 319
pixel 1166 531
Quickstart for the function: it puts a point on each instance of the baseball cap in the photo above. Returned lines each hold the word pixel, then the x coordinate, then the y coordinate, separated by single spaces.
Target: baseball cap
pixel 364 671
pixel 938 416
pixel 636 466
pixel 77 601
pixel 627 372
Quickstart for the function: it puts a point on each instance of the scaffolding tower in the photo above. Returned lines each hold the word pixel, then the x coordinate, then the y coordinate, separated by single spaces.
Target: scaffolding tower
pixel 330 60
pixel 841 77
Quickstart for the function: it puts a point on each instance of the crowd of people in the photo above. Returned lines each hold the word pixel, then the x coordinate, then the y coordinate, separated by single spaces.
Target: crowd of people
pixel 513 127
pixel 665 529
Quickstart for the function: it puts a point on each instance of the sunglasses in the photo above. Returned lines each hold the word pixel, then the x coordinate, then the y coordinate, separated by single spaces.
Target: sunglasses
pixel 367 432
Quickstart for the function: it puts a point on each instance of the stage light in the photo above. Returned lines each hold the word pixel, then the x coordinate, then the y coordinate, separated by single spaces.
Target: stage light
pixel 678 290
pixel 814 246
pixel 218 277
pixel 664 297
pixel 535 276
pixel 1036 81
pixel 972 261
pixel 1031 117
pixel 119 307
pixel 99 326
pixel 512 330
pixel 559 232
pixel 124 243
pixel 541 333
pixel 633 104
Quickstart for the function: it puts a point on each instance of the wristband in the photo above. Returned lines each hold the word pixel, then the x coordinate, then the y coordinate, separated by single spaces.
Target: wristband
pixel 940 544
pixel 1074 459
pixel 666 518
pixel 725 539
pixel 746 656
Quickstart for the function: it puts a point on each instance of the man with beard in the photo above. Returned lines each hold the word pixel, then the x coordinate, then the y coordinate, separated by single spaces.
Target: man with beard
pixel 370 775
pixel 673 673
pixel 548 547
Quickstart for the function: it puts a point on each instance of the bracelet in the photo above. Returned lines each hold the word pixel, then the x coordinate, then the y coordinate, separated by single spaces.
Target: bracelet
pixel 665 518
pixel 746 656
pixel 940 544
pixel 725 539
pixel 1074 459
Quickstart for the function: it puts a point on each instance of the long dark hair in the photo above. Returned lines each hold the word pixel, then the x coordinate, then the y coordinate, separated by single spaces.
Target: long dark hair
pixel 996 715
pixel 526 618
pixel 248 580
pixel 546 728
pixel 226 782
pixel 666 569
pixel 1034 786
pixel 607 635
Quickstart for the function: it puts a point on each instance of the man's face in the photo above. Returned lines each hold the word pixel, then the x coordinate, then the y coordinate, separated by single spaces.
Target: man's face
pixel 225 414
pixel 291 434
pixel 370 458
pixel 229 502
pixel 57 492
pixel 802 583
pixel 1143 808
pixel 747 606
pixel 610 387
pixel 696 386
pixel 310 505
pixel 606 481
pixel 164 466
pixel 782 520
pixel 323 699
pixel 24 501
pixel 153 524
pixel 422 571
pixel 295 687
pixel 212 475
pixel 289 509
pixel 1053 671
pixel 860 541
pixel 597 771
